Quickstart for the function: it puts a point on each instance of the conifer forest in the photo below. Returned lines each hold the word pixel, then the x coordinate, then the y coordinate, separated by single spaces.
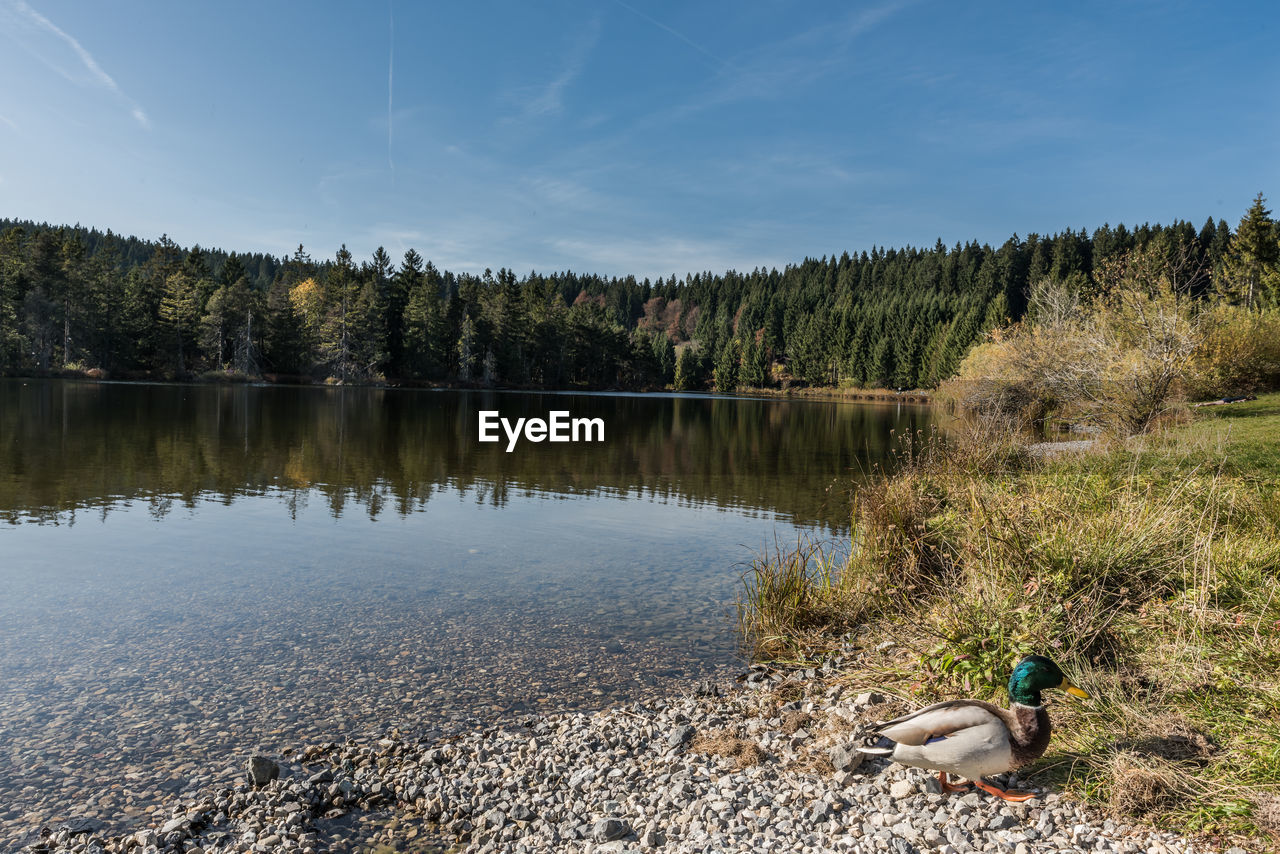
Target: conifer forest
pixel 75 299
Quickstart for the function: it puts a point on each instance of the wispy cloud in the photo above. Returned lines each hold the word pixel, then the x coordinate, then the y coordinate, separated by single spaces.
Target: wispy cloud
pixel 722 63
pixel 774 70
pixel 8 121
pixel 548 100
pixel 865 20
pixel 98 76
pixel 797 164
pixel 1026 127
pixel 798 60
pixel 561 193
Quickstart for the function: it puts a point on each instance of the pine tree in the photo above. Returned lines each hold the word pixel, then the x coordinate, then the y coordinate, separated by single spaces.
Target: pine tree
pixel 103 310
pixel 664 356
pixel 287 341
pixel 336 344
pixel 1253 257
pixel 687 374
pixel 180 314
pixel 726 369
pixel 368 331
pixel 406 342
pixel 72 295
pixel 12 285
pixel 511 324
pixel 755 368
pixel 468 351
pixel 228 336
pixel 881 369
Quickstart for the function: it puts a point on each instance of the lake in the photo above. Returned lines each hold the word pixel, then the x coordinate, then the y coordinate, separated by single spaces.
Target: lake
pixel 189 573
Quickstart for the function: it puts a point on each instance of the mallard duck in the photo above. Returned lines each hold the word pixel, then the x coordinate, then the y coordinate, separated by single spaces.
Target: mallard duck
pixel 973 739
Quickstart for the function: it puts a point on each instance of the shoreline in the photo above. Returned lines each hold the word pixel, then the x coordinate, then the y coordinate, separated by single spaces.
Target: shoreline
pixel 723 767
pixel 915 397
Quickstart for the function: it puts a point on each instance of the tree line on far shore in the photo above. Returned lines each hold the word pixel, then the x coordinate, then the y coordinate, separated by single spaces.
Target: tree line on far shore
pixel 79 300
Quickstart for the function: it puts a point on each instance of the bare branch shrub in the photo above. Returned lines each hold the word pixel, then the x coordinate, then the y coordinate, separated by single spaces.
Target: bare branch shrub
pixel 1117 361
pixel 1053 302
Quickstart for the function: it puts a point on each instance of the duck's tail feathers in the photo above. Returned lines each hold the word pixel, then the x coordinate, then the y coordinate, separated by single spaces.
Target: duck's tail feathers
pixel 875 744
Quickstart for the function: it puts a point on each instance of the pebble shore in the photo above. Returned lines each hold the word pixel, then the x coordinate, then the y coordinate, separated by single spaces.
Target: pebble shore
pixel 762 766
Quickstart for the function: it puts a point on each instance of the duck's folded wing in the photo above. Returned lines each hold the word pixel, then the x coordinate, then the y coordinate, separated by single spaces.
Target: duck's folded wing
pixel 939 721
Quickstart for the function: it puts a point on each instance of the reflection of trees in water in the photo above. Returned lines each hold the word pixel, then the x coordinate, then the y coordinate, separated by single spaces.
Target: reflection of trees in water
pixel 72 446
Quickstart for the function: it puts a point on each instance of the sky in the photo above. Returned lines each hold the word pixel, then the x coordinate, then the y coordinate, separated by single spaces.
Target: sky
pixel 641 137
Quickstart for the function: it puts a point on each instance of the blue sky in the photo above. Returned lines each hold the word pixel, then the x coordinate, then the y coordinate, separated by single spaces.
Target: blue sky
pixel 632 136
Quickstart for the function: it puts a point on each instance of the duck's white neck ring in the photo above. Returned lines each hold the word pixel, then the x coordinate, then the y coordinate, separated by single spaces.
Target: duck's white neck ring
pixel 1015 704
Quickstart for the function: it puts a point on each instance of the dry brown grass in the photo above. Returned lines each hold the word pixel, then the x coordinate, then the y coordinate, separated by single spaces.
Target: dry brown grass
pixel 883 711
pixel 838 725
pixel 787 691
pixel 743 752
pixel 793 721
pixel 1267 814
pixel 1142 785
pixel 813 762
pixel 1153 770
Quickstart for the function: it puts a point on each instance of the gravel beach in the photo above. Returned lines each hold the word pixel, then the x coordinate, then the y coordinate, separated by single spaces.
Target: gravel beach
pixel 762 764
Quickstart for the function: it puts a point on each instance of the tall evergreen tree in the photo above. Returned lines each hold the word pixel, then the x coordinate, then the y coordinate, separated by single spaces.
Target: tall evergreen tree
pixel 1253 256
pixel 180 313
pixel 726 369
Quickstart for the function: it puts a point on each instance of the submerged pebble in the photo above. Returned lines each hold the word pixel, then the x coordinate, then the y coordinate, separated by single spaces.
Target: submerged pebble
pixel 141 709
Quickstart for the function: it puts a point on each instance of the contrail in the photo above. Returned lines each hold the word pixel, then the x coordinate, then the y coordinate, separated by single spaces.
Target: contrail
pixel 391 66
pixel 690 42
pixel 90 63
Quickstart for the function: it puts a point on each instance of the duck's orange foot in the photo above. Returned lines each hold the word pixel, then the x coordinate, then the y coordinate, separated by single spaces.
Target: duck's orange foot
pixel 947 786
pixel 1004 794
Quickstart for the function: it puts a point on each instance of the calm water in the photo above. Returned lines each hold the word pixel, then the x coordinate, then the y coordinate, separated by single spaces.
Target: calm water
pixel 189 572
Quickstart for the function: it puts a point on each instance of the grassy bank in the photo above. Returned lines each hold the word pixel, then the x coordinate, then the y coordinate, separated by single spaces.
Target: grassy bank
pixel 1148 568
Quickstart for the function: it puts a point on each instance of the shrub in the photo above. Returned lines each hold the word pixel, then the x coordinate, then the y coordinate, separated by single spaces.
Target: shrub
pixel 1240 354
pixel 1118 361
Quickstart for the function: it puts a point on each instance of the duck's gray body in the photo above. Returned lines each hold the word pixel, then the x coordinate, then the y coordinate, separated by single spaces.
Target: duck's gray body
pixel 968 738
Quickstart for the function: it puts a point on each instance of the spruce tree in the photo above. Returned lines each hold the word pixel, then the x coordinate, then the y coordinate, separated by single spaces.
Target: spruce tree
pixel 1253 256
pixel 180 313
pixel 726 368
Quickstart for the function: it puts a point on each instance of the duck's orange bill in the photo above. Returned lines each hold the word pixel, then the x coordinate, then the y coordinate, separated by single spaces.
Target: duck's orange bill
pixel 1073 690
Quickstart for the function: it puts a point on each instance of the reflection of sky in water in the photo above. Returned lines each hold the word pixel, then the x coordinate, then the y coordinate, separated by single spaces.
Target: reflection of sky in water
pixel 379 503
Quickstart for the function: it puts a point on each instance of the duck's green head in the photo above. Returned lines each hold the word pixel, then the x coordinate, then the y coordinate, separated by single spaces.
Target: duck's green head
pixel 1034 674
